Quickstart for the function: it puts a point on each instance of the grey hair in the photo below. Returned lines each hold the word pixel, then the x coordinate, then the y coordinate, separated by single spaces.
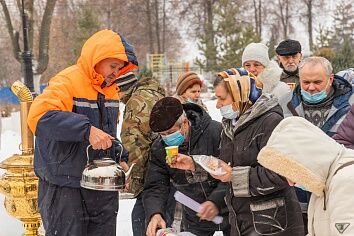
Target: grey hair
pixel 327 66
pixel 181 119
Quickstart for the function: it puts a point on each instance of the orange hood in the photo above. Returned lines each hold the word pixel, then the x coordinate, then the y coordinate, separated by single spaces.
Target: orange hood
pixel 105 44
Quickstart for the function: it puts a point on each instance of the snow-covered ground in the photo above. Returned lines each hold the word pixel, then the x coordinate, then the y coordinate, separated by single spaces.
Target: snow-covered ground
pixel 10 141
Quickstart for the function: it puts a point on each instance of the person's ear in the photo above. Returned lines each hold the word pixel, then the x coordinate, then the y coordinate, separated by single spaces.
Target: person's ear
pixel 331 78
pixel 185 123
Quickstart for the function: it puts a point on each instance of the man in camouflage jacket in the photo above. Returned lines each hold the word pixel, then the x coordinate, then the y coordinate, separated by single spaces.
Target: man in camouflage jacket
pixel 139 96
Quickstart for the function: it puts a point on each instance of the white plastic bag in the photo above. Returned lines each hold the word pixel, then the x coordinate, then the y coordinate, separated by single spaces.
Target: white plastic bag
pixel 210 164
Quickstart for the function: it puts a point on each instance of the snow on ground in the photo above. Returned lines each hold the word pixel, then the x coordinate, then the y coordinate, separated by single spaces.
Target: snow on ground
pixel 10 141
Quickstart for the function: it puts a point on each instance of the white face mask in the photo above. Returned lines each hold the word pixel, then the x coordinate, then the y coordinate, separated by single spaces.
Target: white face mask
pixel 191 101
pixel 228 113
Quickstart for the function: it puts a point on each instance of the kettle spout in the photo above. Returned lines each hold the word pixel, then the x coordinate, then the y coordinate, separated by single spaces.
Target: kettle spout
pixel 127 174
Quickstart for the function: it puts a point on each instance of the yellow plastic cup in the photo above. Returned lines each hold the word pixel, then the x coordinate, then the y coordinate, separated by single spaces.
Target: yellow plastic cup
pixel 292 86
pixel 171 153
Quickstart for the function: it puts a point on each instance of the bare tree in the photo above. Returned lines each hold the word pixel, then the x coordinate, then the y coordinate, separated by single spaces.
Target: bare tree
pixel 157 26
pixel 198 15
pixel 257 5
pixel 149 26
pixel 284 16
pixel 41 62
pixel 311 6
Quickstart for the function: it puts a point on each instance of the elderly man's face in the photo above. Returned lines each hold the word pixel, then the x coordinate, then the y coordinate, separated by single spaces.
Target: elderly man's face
pixel 291 62
pixel 313 79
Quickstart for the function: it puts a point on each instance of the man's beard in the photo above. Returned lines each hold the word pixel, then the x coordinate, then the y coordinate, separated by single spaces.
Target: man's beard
pixel 292 70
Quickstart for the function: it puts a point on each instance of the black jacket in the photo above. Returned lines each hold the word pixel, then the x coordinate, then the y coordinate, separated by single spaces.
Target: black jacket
pixel 204 139
pixel 260 202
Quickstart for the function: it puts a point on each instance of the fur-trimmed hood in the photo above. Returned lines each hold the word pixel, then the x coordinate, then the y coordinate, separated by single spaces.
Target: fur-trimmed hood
pixel 304 154
pixel 270 78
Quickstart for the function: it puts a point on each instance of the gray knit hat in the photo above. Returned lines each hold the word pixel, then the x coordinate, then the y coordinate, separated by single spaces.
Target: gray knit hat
pixel 256 52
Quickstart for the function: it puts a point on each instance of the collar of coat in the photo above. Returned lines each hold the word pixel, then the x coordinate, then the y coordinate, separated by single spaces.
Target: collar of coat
pixel 264 103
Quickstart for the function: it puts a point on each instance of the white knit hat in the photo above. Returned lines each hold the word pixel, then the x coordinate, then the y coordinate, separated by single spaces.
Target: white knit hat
pixel 256 52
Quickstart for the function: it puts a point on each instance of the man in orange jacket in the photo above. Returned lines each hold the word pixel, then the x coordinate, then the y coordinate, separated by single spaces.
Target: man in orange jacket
pixel 78 108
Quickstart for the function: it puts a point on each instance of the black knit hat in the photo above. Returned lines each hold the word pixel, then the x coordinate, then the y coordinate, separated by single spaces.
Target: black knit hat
pixel 125 81
pixel 165 113
pixel 288 47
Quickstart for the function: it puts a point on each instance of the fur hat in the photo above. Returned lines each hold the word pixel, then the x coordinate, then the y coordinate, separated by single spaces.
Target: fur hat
pixel 165 113
pixel 256 52
pixel 288 47
pixel 187 80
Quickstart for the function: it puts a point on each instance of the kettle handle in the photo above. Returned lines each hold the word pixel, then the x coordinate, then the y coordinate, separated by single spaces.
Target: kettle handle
pixel 121 149
pixel 87 154
pixel 113 140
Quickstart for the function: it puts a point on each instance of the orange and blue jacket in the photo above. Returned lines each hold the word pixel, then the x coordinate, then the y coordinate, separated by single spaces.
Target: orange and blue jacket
pixel 61 117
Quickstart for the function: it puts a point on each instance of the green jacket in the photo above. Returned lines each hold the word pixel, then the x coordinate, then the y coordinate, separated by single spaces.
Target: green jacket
pixel 136 134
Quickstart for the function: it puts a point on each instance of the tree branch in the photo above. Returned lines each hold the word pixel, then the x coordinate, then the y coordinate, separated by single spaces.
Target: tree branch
pixel 43 55
pixel 14 35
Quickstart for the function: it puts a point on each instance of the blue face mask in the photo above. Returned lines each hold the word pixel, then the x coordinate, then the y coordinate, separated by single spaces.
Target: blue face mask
pixel 314 98
pixel 228 113
pixel 174 139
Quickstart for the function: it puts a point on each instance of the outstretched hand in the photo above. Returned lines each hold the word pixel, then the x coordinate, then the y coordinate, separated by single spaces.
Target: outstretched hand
pixel 183 162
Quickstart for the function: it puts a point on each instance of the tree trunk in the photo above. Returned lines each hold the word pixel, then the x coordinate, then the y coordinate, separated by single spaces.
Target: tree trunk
pixel 260 18
pixel 310 30
pixel 157 26
pixel 164 26
pixel 149 26
pixel 256 15
pixel 210 35
pixel 109 12
pixel 14 35
pixel 44 33
pixel 29 13
pixel 284 16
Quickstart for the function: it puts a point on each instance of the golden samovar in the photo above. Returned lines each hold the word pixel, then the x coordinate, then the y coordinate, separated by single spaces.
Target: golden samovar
pixel 19 184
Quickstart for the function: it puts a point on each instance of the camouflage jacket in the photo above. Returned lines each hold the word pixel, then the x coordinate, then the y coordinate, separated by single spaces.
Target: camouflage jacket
pixel 136 134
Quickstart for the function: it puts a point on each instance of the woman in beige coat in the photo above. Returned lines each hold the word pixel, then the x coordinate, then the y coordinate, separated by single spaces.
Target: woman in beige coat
pixel 307 157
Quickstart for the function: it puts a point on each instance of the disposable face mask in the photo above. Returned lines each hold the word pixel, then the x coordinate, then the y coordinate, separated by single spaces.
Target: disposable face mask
pixel 189 100
pixel 174 139
pixel 228 113
pixel 314 98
